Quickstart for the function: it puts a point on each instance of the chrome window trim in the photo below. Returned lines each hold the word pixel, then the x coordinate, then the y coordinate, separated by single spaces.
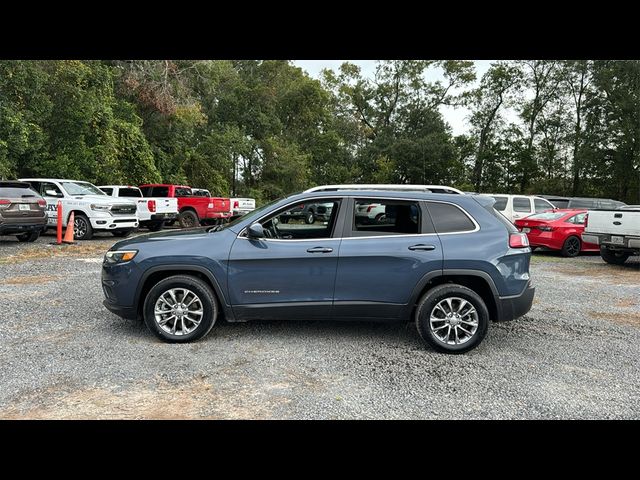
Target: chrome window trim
pixel 477 226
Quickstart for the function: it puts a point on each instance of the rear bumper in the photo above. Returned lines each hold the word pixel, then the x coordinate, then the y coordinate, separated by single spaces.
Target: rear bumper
pixel 628 242
pixel 218 214
pixel 515 306
pixel 160 217
pixel 17 228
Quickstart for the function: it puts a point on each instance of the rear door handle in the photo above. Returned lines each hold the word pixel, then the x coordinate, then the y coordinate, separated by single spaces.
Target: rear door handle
pixel 320 250
pixel 422 247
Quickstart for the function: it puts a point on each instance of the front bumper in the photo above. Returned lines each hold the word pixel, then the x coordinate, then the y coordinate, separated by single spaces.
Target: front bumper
pixel 129 313
pixel 111 222
pixel 515 306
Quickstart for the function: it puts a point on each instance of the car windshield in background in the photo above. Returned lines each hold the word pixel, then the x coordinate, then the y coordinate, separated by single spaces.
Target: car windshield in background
pixel 81 188
pixel 129 192
pixel 546 216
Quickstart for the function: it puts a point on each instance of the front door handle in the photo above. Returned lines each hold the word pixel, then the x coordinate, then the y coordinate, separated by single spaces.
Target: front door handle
pixel 422 247
pixel 320 250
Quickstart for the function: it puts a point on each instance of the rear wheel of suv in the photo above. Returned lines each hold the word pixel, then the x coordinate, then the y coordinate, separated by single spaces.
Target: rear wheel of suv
pixel 571 247
pixel 180 309
pixel 188 219
pixel 82 229
pixel 452 318
pixel 28 237
pixel 613 257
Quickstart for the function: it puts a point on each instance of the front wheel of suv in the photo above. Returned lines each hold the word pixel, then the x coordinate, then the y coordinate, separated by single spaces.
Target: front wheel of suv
pixel 452 318
pixel 180 309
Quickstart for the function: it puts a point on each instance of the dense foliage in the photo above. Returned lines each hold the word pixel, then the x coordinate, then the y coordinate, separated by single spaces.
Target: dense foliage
pixel 265 128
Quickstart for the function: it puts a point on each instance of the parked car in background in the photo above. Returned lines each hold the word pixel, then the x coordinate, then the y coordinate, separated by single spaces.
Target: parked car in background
pixel 616 232
pixel 241 206
pixel 583 202
pixel 629 207
pixel 93 209
pixel 451 268
pixel 201 192
pixel 22 211
pixel 192 210
pixel 519 206
pixel 559 230
pixel 152 212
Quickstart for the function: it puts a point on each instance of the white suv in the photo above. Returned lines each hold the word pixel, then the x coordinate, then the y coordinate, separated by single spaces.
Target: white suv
pixel 93 210
pixel 519 206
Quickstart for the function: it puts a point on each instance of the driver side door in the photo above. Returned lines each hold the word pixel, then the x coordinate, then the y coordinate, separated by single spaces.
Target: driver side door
pixel 290 274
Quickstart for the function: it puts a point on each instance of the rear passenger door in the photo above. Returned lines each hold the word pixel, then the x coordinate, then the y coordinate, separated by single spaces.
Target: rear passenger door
pixel 383 257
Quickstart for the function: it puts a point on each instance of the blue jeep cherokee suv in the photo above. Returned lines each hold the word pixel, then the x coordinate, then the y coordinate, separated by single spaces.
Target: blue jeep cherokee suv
pixel 449 262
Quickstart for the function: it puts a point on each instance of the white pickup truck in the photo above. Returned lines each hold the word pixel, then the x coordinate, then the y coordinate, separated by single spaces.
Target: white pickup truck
pixel 93 210
pixel 616 231
pixel 152 212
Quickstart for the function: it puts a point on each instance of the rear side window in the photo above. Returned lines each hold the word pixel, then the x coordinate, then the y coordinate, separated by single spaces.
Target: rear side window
pixel 386 217
pixel 13 192
pixel 501 203
pixel 108 191
pixel 521 204
pixel 159 192
pixel 128 192
pixel 448 218
pixel 541 205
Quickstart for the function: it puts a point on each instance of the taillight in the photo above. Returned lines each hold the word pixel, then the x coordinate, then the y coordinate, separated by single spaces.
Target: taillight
pixel 4 202
pixel 151 204
pixel 518 240
pixel 42 202
pixel 236 204
pixel 210 205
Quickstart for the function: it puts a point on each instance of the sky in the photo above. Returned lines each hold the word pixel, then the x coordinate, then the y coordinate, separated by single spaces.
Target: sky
pixel 456 117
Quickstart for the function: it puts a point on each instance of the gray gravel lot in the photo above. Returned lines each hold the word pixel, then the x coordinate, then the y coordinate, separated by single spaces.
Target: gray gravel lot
pixel 575 355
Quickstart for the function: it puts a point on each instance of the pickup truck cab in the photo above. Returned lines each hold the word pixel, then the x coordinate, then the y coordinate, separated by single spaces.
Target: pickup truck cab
pixel 617 232
pixel 152 212
pixel 93 209
pixel 192 210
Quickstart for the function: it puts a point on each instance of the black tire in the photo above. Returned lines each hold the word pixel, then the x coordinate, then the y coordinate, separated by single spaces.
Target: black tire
pixel 188 219
pixel 155 227
pixel 169 223
pixel 82 229
pixel 28 237
pixel 428 303
pixel 379 218
pixel 310 218
pixel 571 247
pixel 613 257
pixel 204 293
pixel 122 233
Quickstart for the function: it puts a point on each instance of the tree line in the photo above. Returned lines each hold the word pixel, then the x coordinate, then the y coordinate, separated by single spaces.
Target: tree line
pixel 265 128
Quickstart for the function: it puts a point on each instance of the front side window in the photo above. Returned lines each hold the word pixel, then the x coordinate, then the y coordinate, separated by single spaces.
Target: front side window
pixel 183 192
pixel 448 218
pixel 295 222
pixel 108 191
pixel 385 217
pixel 541 205
pixel 48 189
pixel 521 204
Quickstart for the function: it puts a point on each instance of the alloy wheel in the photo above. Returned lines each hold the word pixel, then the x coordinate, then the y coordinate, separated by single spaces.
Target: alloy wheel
pixel 454 321
pixel 178 311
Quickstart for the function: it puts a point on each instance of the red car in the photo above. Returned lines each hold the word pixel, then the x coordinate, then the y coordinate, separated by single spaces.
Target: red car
pixel 558 229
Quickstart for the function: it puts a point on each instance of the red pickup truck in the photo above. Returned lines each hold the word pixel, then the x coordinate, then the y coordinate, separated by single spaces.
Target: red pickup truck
pixel 192 210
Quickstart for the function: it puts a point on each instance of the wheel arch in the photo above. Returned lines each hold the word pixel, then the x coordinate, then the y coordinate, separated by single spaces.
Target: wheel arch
pixel 155 274
pixel 477 280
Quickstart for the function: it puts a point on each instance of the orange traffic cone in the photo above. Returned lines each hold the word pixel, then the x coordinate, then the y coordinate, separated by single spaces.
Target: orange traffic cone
pixel 68 235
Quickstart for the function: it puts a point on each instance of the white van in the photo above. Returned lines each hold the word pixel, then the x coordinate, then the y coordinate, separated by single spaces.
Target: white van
pixel 519 206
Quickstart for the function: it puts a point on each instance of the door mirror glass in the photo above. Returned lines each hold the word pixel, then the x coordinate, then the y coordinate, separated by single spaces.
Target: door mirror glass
pixel 52 193
pixel 255 230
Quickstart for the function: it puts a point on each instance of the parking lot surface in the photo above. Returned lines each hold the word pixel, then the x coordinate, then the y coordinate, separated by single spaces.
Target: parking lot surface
pixel 63 355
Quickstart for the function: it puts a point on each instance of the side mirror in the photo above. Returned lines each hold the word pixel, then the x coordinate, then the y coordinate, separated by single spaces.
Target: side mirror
pixel 255 230
pixel 52 193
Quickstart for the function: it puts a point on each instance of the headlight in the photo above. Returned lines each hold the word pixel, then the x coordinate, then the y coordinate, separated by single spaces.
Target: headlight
pixel 120 256
pixel 102 208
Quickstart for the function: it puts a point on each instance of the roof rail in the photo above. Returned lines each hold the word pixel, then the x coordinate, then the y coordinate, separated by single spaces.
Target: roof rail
pixel 388 186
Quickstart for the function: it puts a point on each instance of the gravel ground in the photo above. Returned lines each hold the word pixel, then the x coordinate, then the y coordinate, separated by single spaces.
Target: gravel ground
pixel 575 355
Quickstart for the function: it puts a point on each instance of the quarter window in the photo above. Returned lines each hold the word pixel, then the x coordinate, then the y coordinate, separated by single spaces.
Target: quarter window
pixel 521 204
pixel 448 218
pixel 377 216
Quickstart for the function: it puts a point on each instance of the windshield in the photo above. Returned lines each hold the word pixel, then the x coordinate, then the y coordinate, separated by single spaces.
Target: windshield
pixel 252 215
pixel 546 216
pixel 82 188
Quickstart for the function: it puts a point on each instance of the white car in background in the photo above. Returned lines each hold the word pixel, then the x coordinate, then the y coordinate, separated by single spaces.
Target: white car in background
pixel 93 209
pixel 519 206
pixel 152 212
